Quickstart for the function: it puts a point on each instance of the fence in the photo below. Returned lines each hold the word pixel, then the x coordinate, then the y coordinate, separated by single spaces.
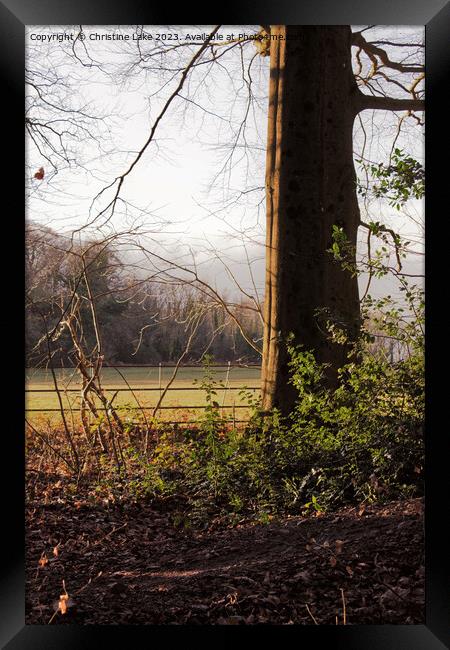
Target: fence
pixel 225 388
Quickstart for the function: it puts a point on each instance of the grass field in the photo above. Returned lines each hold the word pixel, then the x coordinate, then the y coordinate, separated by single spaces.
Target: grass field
pixel 146 384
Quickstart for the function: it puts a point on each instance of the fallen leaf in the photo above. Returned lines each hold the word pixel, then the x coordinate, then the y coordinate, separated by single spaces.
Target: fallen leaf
pixel 39 174
pixel 62 605
pixel 338 544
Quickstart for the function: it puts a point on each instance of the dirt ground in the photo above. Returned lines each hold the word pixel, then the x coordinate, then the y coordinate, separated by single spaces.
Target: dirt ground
pixel 128 564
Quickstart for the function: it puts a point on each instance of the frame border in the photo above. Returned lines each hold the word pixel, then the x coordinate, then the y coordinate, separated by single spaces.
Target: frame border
pixel 435 15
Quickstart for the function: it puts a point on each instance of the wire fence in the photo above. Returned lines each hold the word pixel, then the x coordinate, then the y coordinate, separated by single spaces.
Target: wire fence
pixel 224 389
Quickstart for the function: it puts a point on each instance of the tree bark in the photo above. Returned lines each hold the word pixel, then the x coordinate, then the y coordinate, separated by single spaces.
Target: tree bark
pixel 310 186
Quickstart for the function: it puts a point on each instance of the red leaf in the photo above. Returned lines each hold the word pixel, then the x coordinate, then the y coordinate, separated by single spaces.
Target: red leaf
pixel 39 174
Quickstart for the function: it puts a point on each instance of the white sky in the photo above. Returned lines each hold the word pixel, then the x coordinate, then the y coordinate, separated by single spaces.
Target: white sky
pixel 172 181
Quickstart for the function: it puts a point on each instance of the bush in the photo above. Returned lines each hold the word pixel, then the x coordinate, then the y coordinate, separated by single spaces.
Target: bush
pixel 361 442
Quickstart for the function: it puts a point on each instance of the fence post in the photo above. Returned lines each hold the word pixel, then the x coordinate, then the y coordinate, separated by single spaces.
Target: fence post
pixel 226 385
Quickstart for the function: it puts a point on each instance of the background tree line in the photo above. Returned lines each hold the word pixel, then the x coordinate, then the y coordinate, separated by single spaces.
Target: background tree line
pixel 141 320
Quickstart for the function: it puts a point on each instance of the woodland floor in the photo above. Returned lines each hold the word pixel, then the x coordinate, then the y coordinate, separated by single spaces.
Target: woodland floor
pixel 128 564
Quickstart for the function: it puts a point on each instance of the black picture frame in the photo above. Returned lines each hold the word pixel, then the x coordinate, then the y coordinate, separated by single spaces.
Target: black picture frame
pixel 435 15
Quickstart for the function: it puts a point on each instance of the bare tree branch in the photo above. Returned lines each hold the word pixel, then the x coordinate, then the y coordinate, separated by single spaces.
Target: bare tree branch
pixel 388 103
pixel 373 52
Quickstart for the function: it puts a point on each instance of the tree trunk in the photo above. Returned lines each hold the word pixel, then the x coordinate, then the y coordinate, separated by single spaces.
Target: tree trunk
pixel 310 185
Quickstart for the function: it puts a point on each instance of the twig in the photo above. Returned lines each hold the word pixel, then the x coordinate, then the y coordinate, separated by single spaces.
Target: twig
pixel 114 530
pixel 311 614
pixel 344 608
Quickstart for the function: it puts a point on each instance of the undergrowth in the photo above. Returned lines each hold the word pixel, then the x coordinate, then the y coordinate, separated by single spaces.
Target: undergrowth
pixel 359 443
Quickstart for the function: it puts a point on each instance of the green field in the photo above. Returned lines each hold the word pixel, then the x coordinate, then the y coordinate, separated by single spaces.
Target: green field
pixel 146 384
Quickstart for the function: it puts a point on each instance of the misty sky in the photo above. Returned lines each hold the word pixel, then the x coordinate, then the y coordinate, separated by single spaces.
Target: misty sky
pixel 193 195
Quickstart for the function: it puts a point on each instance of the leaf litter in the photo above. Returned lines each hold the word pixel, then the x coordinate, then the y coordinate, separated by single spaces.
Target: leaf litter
pixel 129 564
